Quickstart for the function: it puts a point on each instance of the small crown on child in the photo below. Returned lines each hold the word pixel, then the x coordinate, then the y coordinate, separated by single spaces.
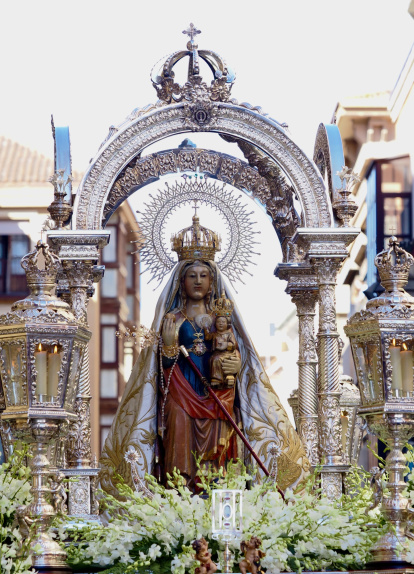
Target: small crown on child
pixel 222 306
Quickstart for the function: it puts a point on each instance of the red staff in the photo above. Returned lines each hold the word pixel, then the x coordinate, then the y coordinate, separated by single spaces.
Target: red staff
pixel 227 414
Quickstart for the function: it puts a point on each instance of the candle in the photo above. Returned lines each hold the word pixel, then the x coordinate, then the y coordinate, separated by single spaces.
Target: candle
pixel 54 361
pixel 396 377
pixel 407 369
pixel 41 369
pixel 344 424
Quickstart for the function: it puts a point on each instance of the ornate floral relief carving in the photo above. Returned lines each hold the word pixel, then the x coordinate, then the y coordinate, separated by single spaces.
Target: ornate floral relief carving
pixel 167 162
pixel 228 169
pixel 208 162
pixel 331 484
pixel 330 428
pixel 148 169
pixel 187 160
pixel 249 178
pixel 327 309
pixel 308 428
pixel 307 349
pixel 79 496
pixel 79 435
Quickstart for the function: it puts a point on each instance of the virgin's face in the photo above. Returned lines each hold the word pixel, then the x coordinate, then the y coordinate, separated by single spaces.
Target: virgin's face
pixel 197 282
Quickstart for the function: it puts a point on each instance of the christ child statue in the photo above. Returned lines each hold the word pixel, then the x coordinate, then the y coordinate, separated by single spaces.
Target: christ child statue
pixel 224 344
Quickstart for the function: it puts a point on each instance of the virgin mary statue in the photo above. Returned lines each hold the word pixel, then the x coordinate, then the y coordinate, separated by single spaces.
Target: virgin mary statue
pixel 166 413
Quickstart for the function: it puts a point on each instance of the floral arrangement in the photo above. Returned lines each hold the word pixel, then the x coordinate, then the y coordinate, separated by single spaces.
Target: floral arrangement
pixel 155 533
pixel 15 492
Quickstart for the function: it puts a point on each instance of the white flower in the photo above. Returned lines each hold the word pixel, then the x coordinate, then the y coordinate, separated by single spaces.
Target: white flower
pixel 154 552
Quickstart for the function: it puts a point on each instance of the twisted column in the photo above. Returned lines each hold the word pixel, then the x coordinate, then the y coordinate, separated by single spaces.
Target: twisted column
pixel 329 414
pixel 305 302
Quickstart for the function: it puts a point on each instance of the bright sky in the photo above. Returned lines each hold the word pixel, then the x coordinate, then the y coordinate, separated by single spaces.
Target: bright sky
pixel 88 62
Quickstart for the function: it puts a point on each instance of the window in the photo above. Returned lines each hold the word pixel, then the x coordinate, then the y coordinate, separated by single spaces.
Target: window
pixel 109 252
pixel 12 276
pixel 130 301
pixel 108 344
pixel 109 283
pixel 109 319
pixel 389 208
pixel 109 383
pixel 395 200
pixel 128 360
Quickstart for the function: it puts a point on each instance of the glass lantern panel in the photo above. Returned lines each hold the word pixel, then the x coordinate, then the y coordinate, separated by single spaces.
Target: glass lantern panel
pixel 14 373
pixel 400 372
pixel 367 356
pixel 47 369
pixel 374 361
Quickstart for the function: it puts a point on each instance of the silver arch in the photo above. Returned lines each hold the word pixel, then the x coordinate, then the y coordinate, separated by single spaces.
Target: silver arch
pixel 224 118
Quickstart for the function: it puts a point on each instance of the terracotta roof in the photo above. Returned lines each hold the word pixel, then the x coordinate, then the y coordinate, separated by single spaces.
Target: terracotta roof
pixel 22 165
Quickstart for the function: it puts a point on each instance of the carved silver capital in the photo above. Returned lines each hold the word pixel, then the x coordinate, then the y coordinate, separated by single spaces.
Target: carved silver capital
pixel 80 279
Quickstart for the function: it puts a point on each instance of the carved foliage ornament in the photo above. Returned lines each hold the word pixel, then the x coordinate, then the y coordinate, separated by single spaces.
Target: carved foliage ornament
pixel 330 425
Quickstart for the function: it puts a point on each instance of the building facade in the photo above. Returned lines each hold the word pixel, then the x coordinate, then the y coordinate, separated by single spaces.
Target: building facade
pixel 376 131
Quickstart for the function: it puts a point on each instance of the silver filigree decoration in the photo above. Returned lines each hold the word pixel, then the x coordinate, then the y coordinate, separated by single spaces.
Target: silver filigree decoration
pixel 152 243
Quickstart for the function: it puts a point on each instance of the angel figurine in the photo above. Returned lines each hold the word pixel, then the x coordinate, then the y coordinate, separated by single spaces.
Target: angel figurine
pixel 252 556
pixel 203 555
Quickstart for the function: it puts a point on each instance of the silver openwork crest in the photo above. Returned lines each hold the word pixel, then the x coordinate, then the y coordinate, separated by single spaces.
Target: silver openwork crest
pixel 152 243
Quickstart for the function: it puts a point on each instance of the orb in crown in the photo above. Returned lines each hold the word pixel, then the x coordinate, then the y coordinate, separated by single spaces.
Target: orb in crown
pixel 167 413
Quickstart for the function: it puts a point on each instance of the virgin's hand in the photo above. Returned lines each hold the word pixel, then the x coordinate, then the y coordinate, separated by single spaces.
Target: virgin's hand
pixel 168 330
pixel 231 366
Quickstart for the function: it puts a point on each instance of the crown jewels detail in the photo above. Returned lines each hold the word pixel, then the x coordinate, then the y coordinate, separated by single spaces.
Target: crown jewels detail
pixel 195 242
pixel 393 265
pixel 222 306
pixel 41 277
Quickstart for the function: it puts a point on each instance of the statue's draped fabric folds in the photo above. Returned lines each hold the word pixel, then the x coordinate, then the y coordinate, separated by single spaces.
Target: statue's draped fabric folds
pixel 192 422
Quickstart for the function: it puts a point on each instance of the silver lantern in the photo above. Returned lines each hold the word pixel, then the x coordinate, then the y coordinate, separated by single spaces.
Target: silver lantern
pixel 382 342
pixel 41 351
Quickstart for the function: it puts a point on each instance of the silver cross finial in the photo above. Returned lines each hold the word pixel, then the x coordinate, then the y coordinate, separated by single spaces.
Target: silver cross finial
pixel 195 207
pixel 191 32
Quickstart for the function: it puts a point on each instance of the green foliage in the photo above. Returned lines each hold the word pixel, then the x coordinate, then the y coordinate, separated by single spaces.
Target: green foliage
pixel 306 532
pixel 14 492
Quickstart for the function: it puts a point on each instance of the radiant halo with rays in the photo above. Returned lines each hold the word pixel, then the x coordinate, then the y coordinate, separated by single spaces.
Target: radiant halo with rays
pixel 152 245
